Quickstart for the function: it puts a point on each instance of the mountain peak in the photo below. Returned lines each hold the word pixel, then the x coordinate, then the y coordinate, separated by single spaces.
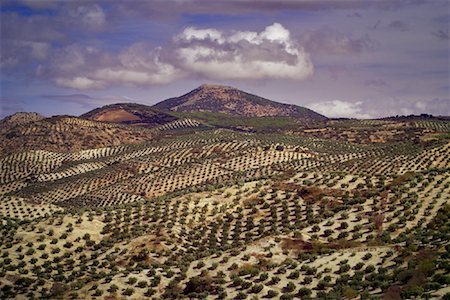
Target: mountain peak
pixel 210 86
pixel 229 100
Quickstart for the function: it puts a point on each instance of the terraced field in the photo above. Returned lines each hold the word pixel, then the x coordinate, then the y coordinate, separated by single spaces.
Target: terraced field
pixel 207 213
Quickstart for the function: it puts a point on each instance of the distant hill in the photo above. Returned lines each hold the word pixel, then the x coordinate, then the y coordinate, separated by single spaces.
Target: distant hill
pixel 416 118
pixel 231 101
pixel 21 118
pixel 65 134
pixel 130 114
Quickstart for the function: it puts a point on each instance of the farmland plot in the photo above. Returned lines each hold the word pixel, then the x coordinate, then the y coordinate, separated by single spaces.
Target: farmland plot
pixel 221 214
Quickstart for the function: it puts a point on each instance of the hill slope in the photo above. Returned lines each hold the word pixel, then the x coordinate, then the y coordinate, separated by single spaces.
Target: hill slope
pixel 64 134
pixel 221 214
pixel 21 118
pixel 229 100
pixel 129 113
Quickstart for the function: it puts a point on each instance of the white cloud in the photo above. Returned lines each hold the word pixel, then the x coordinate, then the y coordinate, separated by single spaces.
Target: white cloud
pixel 217 64
pixel 192 34
pixel 79 83
pixel 85 68
pixel 276 33
pixel 207 53
pixel 16 52
pixel 249 36
pixel 91 16
pixel 39 50
pixel 164 74
pixel 340 109
pixel 8 62
pixel 243 54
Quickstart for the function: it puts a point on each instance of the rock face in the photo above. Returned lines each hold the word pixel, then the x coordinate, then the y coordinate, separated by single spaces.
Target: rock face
pixel 129 113
pixel 229 100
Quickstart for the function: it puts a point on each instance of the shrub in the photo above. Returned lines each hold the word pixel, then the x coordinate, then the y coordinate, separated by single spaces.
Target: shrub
pixel 304 292
pixel 290 287
pixel 271 294
pixel 256 288
pixel 128 292
pixel 287 297
pixel 200 284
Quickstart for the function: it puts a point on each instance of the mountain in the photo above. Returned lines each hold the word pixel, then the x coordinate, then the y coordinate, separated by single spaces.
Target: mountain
pixel 129 113
pixel 229 100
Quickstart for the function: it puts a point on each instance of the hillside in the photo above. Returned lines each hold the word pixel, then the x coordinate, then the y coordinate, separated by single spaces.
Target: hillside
pixel 229 100
pixel 20 118
pixel 64 133
pixel 129 113
pixel 221 214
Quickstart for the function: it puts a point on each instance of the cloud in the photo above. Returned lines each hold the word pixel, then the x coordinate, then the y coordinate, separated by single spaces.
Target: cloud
pixel 83 100
pixel 354 15
pixel 340 109
pixel 376 83
pixel 90 16
pixel 79 83
pixel 270 53
pixel 437 106
pixel 398 25
pixel 164 8
pixel 328 40
pixel 80 67
pixel 9 106
pixel 16 52
pixel 25 37
pixel 30 28
pixel 38 4
pixel 194 34
pixel 442 34
pixel 24 40
pixel 205 53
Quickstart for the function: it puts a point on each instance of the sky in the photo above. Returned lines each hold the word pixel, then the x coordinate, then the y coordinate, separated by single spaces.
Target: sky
pixel 342 58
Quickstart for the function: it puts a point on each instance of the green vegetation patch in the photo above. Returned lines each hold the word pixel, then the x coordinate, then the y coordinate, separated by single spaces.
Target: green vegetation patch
pixel 228 121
